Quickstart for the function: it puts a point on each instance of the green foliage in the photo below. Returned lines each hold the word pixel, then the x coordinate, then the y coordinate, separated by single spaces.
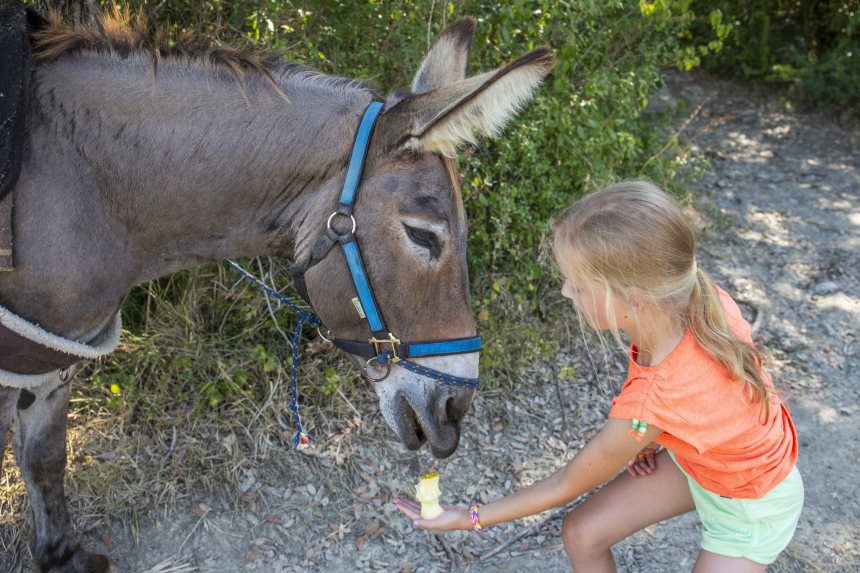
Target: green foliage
pixel 587 127
pixel 810 47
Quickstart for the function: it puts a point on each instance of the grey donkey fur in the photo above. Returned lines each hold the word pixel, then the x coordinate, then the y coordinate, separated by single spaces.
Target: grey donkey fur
pixel 132 173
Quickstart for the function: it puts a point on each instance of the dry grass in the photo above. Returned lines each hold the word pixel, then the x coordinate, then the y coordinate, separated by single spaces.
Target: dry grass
pixel 197 392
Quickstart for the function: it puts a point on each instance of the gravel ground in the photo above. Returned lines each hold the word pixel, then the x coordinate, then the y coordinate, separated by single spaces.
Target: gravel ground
pixel 780 221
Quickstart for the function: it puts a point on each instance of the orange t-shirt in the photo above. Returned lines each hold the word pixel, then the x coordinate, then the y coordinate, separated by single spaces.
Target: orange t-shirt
pixel 708 419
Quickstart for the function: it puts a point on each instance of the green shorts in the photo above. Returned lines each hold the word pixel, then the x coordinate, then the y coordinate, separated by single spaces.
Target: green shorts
pixel 755 529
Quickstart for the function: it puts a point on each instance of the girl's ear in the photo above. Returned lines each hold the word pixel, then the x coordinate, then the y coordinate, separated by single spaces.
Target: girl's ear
pixel 635 304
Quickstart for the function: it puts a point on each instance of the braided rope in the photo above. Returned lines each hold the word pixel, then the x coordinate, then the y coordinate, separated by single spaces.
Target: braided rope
pixel 312 319
pixel 300 438
pixel 431 373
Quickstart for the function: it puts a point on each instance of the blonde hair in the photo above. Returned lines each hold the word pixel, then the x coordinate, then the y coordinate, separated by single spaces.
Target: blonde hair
pixel 634 239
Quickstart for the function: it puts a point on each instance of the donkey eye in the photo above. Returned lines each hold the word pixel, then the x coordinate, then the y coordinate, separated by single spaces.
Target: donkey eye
pixel 424 238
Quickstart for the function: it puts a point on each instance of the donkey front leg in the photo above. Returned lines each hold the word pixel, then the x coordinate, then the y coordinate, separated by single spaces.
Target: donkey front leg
pixel 8 397
pixel 40 448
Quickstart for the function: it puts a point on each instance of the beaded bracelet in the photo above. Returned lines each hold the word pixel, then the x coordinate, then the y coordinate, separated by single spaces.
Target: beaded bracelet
pixel 476 521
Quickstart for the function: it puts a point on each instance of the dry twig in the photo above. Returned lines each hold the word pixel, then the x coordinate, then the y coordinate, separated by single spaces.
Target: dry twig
pixel 533 528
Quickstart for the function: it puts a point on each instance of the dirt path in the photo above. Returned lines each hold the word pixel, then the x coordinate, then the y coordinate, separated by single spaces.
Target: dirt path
pixel 781 230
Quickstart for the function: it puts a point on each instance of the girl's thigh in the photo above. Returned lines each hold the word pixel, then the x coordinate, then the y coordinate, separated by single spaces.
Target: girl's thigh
pixel 627 504
pixel 712 563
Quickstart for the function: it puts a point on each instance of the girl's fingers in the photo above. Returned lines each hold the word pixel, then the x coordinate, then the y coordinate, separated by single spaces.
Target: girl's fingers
pixel 406 502
pixel 640 467
pixel 408 508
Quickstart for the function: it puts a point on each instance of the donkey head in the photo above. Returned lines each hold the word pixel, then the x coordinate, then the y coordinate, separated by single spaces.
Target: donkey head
pixel 411 230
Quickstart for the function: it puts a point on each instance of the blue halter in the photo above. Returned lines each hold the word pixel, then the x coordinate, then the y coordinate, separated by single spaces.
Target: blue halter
pixel 382 348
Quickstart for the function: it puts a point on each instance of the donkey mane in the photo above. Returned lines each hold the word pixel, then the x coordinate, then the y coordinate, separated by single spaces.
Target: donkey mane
pixel 120 34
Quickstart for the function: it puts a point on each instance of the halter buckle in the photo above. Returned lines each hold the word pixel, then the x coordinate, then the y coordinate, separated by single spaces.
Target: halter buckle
pixel 391 340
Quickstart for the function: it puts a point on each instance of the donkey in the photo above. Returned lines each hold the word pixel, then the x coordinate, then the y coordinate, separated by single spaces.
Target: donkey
pixel 139 163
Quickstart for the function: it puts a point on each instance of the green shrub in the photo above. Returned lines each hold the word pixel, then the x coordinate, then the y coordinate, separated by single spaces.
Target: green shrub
pixel 810 47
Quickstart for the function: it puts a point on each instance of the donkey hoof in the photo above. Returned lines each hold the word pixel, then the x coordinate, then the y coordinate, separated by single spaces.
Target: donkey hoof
pixel 79 561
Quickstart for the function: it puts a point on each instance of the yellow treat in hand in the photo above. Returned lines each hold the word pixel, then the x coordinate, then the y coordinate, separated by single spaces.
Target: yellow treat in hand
pixel 428 493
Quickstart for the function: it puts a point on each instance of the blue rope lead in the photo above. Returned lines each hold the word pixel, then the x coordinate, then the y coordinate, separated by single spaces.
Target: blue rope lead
pixel 300 438
pixel 431 373
pixel 311 319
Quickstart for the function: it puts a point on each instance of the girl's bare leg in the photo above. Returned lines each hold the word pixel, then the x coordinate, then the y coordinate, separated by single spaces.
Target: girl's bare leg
pixel 624 506
pixel 712 563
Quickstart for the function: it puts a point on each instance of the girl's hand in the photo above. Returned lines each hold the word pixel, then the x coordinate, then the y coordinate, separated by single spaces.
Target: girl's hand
pixel 453 518
pixel 644 462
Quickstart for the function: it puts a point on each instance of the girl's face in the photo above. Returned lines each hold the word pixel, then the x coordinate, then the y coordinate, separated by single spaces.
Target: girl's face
pixel 589 298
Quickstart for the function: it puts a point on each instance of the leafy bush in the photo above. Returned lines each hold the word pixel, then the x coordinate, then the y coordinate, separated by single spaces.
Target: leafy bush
pixel 811 47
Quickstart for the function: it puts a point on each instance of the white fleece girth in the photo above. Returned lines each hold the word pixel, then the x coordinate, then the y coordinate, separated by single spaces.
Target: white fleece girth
pixel 104 343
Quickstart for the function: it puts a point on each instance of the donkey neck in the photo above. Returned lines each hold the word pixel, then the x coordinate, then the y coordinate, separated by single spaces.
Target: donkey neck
pixel 186 168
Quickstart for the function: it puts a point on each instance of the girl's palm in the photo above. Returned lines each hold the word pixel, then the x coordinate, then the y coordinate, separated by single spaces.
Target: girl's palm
pixel 453 518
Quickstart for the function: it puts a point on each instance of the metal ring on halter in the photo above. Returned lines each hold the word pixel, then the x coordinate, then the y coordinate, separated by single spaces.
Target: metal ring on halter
pixel 367 370
pixel 330 217
pixel 322 336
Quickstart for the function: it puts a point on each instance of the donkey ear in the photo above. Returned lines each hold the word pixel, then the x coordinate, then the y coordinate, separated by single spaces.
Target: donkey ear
pixel 442 119
pixel 448 58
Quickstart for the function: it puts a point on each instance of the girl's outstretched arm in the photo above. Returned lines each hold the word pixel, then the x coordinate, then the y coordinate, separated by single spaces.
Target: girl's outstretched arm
pixel 599 461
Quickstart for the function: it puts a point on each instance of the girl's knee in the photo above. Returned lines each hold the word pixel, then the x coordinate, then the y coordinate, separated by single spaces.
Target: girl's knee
pixel 580 536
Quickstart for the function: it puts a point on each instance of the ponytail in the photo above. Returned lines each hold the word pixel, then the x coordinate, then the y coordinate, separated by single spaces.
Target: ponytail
pixel 707 322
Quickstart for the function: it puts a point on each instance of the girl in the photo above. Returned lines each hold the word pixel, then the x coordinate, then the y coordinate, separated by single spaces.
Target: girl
pixel 695 386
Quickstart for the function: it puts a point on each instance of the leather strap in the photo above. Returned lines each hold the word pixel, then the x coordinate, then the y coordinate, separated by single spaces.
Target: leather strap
pixel 446 347
pixel 7 263
pixel 23 356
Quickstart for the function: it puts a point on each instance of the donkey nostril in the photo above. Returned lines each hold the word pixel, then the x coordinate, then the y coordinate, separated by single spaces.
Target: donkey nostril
pixel 457 404
pixel 451 413
pixel 456 407
pixel 419 431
